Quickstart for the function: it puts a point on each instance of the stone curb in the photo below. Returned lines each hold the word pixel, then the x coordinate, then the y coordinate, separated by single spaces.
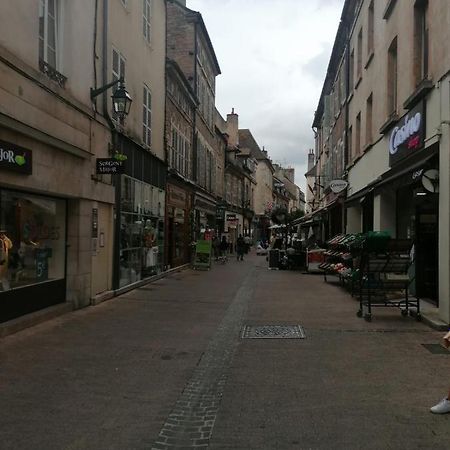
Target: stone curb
pixel 43 315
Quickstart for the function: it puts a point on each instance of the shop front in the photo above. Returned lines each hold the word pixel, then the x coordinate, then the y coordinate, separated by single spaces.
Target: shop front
pixel 140 210
pixel 234 223
pixel 409 196
pixel 205 211
pixel 178 225
pixel 32 252
pixel 404 200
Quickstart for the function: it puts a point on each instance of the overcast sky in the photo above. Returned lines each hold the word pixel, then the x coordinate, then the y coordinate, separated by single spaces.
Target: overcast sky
pixel 273 55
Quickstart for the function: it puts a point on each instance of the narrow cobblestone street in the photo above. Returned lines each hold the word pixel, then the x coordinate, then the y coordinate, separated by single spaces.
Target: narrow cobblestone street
pixel 165 366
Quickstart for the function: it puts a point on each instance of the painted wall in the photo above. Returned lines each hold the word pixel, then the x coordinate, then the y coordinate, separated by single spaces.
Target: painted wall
pixel 263 190
pixel 145 64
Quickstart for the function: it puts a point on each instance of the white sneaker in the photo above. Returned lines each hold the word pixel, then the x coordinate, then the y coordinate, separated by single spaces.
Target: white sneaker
pixel 442 407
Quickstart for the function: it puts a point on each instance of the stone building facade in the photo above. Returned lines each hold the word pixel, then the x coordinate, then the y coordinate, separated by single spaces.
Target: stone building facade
pixel 55 212
pixel 181 103
pixel 188 44
pixel 132 45
pixel 396 146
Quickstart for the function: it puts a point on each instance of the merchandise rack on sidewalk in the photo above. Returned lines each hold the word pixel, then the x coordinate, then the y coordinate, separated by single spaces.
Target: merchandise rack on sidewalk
pixel 341 260
pixel 374 267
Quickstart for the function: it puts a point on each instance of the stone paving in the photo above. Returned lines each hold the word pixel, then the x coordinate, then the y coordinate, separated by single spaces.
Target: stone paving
pixel 165 366
pixel 190 423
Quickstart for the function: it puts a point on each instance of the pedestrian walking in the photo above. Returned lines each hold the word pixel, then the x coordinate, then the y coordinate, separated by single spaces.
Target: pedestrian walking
pixel 240 248
pixel 248 243
pixel 443 407
pixel 223 246
pixel 216 247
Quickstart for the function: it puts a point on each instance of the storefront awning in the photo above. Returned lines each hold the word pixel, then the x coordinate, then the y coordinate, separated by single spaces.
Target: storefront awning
pixel 414 163
pixel 361 193
pixel 408 166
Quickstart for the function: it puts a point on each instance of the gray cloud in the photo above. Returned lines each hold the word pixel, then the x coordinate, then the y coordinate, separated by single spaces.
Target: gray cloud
pixel 273 55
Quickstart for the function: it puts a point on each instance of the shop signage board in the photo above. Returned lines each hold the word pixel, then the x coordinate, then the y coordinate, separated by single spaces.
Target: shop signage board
pixel 108 166
pixel 338 186
pixel 202 254
pixel 15 158
pixel 408 135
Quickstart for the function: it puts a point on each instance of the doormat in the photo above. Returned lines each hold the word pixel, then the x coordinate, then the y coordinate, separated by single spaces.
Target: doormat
pixel 273 332
pixel 436 349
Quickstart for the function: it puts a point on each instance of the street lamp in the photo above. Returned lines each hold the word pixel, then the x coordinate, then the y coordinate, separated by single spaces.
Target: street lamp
pixel 121 98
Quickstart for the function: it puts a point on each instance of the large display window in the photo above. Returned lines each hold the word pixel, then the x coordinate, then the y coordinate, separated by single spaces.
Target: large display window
pixel 32 240
pixel 141 230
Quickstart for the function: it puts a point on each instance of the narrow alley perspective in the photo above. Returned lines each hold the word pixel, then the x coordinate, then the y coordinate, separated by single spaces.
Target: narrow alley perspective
pixel 224 225
pixel 187 362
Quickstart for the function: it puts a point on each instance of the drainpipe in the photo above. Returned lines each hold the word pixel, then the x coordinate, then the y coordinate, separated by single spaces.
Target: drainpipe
pixel 116 178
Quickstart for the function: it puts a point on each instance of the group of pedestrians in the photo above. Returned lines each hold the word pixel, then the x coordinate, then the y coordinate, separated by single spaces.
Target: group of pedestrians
pixel 223 247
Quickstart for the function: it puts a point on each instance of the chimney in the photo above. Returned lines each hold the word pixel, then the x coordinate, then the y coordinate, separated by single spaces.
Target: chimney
pixel 233 129
pixel 310 159
pixel 264 152
pixel 289 173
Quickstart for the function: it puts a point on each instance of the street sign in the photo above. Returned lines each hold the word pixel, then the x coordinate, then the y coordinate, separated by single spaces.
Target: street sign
pixel 107 166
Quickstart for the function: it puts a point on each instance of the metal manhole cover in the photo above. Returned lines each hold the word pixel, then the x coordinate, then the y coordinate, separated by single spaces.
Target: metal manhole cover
pixel 273 332
pixel 436 349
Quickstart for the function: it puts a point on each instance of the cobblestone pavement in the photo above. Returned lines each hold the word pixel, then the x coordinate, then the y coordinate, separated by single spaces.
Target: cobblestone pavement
pixel 190 423
pixel 165 366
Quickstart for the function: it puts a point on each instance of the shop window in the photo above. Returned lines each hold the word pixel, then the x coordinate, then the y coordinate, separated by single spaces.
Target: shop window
pixel 32 240
pixel 141 230
pixel 420 41
pixel 392 78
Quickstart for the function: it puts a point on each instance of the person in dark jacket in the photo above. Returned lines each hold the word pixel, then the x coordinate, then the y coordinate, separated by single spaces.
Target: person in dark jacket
pixel 223 246
pixel 240 248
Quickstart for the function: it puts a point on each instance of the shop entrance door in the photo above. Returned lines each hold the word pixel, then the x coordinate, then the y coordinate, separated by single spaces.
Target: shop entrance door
pixel 427 245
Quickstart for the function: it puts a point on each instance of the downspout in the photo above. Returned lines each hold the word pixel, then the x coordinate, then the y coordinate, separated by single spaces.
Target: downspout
pixel 116 179
pixel 94 53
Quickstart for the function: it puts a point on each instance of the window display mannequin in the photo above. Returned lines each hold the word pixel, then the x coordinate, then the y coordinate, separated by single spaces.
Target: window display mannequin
pixel 150 244
pixel 5 247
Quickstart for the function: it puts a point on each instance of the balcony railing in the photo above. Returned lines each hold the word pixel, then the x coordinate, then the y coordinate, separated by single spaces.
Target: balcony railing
pixel 52 73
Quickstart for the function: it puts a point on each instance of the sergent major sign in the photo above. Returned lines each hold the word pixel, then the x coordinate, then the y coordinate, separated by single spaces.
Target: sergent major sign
pixel 407 135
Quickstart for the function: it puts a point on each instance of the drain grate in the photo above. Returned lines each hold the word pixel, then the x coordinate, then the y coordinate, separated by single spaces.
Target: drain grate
pixel 436 349
pixel 273 332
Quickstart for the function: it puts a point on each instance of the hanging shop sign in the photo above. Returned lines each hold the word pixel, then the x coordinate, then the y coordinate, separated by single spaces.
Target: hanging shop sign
pixel 338 186
pixel 408 135
pixel 15 158
pixel 108 166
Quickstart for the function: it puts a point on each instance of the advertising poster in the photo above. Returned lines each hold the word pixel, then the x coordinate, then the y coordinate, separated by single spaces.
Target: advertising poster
pixel 202 255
